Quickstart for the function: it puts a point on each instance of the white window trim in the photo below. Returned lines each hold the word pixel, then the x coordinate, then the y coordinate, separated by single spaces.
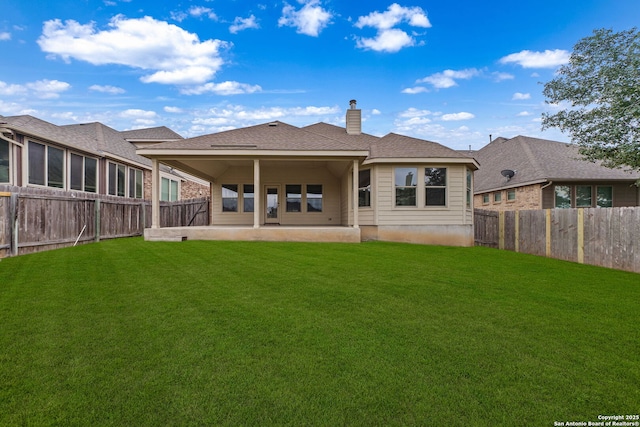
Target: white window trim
pixel 46 165
pixel 170 178
pixel 84 157
pixel 127 169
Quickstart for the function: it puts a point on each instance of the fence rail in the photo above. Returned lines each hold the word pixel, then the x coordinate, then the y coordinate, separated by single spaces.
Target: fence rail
pixel 607 237
pixel 34 219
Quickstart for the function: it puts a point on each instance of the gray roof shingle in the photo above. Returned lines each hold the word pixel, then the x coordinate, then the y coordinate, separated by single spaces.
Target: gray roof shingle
pixel 538 160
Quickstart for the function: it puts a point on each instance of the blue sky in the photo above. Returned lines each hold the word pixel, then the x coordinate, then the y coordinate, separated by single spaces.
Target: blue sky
pixel 450 72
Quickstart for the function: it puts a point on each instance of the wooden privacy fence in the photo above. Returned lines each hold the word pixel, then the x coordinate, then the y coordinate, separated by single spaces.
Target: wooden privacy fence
pixel 33 220
pixel 607 237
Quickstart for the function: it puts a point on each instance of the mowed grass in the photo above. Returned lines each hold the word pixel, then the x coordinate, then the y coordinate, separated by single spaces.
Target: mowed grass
pixel 127 332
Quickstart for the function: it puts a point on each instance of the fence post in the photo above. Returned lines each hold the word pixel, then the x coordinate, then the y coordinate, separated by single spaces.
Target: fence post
pixel 547 232
pixel 501 230
pixel 97 207
pixel 143 212
pixel 517 232
pixel 14 224
pixel 581 236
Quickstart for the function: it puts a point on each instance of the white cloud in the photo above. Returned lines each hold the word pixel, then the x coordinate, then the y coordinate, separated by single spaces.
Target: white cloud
pixel 169 109
pixel 457 116
pixel 523 114
pixel 415 90
pixel 376 112
pixel 44 89
pixel 134 113
pixel 414 112
pixel 520 96
pixel 387 41
pixel 310 20
pixel 4 36
pixel 237 116
pixel 11 89
pixel 499 77
pixel 447 78
pixel 113 90
pixel 388 38
pixel 224 88
pixel 200 11
pixel 394 15
pixel 546 59
pixel 171 54
pixel 48 89
pixel 241 24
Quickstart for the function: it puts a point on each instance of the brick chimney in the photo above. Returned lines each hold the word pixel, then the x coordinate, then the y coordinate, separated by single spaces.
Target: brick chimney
pixel 354 119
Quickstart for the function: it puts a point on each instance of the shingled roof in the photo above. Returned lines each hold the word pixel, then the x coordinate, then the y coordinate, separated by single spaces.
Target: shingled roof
pixel 159 133
pixel 536 160
pixel 92 138
pixel 317 137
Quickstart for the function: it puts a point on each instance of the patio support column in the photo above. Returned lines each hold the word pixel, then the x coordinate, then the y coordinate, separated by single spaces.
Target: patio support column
pixel 155 194
pixel 355 194
pixel 257 205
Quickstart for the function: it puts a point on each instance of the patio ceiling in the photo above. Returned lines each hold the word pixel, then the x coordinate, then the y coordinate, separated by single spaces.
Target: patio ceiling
pixel 213 167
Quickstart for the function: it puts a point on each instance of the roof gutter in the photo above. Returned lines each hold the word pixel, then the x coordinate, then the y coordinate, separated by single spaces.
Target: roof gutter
pixel 9 140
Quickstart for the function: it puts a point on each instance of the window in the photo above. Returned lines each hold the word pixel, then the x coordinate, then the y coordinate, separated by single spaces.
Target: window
pixel 314 198
pixel 136 184
pixel 248 196
pixel 125 181
pixel 563 196
pixel 406 183
pixel 229 198
pixel 364 188
pixel 435 183
pixel 46 165
pixel 83 173
pixel 485 199
pixel 511 195
pixel 294 198
pixel 497 197
pixel 583 196
pixel 4 161
pixel 169 190
pixel 116 179
pixel 604 197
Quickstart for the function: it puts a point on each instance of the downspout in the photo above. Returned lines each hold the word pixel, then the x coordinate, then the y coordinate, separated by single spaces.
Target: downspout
pixel 542 188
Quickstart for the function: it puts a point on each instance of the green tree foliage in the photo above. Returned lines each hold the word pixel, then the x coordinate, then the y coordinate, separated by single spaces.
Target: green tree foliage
pixel 601 83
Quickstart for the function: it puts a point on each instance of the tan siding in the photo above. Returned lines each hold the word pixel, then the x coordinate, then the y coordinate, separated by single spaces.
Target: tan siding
pixel 270 175
pixel 454 213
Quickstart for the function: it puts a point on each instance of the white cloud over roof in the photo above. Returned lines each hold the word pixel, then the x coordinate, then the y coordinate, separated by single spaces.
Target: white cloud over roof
pixel 546 59
pixel 311 19
pixel 171 54
pixel 447 78
pixel 389 38
pixel 241 24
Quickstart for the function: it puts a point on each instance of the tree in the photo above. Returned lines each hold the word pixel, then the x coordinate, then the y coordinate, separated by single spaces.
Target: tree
pixel 601 83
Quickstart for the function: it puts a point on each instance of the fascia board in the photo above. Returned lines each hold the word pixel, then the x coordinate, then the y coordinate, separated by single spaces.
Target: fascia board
pixel 415 160
pixel 164 153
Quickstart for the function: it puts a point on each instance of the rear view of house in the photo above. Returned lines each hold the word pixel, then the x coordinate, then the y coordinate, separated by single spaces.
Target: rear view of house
pixel 275 181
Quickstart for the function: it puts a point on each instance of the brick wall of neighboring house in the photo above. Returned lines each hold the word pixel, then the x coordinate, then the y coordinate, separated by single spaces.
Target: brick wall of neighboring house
pixel 193 190
pixel 146 178
pixel 528 197
pixel 188 189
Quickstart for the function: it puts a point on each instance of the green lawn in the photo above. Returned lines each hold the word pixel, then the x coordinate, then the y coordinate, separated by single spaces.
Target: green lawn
pixel 134 333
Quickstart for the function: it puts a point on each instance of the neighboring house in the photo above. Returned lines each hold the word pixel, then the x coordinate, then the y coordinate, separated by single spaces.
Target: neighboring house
pixel 532 173
pixel 89 157
pixel 275 181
